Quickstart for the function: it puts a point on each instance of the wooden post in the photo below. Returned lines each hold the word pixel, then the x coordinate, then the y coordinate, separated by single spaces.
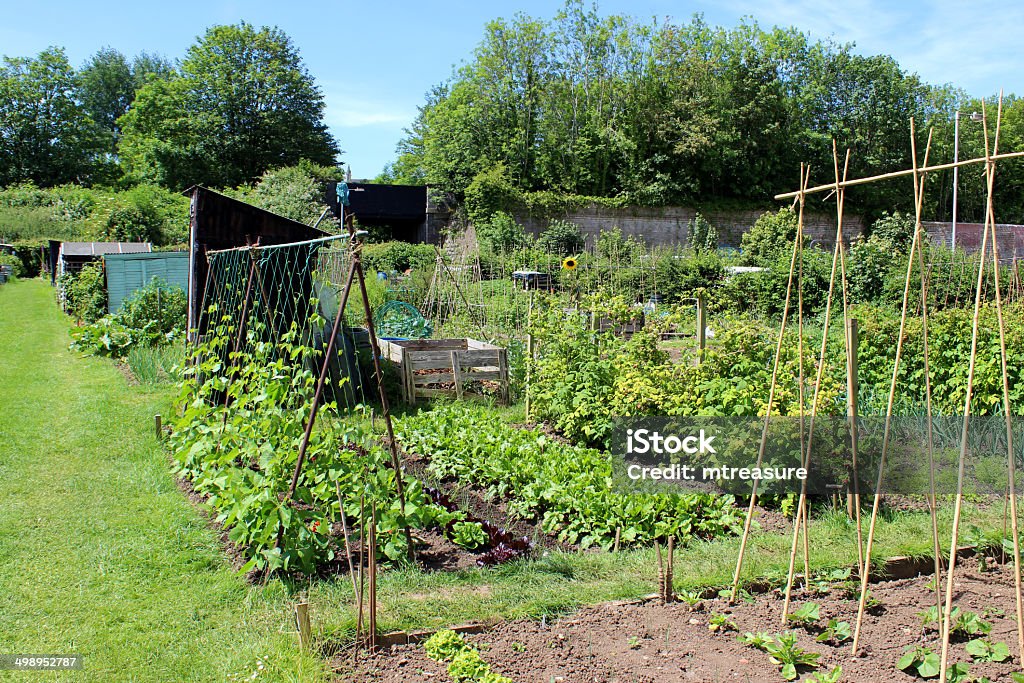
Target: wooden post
pixel 503 375
pixel 701 328
pixel 408 377
pixel 457 374
pixel 661 572
pixel 158 424
pixel 670 593
pixel 373 575
pixel 302 622
pixel 529 352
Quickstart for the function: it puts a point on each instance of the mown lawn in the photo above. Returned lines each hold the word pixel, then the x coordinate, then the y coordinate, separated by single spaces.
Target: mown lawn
pixel 100 554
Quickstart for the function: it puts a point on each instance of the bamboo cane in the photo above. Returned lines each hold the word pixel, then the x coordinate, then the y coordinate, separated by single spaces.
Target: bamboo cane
pixel 896 174
pixel 862 603
pixel 804 176
pixel 932 498
pixel 958 504
pixel 1011 465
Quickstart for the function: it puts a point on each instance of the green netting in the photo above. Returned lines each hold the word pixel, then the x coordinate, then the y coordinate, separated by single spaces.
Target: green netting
pixel 259 297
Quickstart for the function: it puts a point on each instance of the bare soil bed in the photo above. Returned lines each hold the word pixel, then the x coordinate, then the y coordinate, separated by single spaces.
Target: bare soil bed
pixel 644 643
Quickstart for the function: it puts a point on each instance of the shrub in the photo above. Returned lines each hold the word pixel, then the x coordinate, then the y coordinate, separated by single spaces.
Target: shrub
pixel 895 230
pixel 703 235
pixel 561 237
pixel 145 213
pixel 772 234
pixel 85 293
pixel 391 257
pixel 681 274
pixel 153 315
pixel 14 262
pixel 295 192
pixel 869 263
pixel 501 234
pixel 490 191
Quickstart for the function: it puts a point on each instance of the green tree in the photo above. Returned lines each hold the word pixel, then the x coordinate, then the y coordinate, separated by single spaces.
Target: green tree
pixel 46 136
pixel 106 88
pixel 244 103
pixel 295 192
pixel 108 83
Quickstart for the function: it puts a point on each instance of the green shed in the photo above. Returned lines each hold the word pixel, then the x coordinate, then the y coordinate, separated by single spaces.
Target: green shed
pixel 129 272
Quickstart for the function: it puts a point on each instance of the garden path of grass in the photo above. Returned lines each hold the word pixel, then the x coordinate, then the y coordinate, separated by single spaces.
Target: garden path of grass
pixel 100 554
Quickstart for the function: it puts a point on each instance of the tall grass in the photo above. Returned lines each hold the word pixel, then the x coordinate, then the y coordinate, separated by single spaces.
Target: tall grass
pixel 156 364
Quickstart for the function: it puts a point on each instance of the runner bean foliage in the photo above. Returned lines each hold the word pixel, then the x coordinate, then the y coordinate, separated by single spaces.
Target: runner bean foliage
pixel 237 442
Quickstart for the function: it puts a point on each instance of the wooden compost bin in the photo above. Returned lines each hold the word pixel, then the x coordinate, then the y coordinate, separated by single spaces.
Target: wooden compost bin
pixel 424 364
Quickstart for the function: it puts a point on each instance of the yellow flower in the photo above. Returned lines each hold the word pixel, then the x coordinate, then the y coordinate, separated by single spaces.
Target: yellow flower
pixel 569 263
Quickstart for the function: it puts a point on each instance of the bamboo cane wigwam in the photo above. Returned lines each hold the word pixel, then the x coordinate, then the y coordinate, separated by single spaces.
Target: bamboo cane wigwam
pixel 915 259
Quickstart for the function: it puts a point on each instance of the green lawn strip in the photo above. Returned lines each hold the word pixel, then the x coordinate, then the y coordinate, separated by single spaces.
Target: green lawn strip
pixel 101 554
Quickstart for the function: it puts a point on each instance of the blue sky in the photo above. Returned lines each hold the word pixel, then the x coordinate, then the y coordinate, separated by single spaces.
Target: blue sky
pixel 375 60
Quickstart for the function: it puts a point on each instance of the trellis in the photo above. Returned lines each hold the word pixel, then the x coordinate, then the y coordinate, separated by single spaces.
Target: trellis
pixel 260 296
pixel 915 258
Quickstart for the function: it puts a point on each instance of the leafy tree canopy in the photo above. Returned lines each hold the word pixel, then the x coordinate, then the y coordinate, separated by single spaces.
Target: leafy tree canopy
pixel 243 103
pixel 46 135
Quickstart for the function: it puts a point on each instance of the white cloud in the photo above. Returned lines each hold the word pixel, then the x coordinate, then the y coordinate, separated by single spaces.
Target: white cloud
pixel 969 44
pixel 346 109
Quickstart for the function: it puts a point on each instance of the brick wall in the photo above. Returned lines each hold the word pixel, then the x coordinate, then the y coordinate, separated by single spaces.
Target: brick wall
pixel 1009 238
pixel 667 226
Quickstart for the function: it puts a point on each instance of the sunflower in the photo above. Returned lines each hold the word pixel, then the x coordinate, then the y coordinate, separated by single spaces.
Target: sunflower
pixel 570 263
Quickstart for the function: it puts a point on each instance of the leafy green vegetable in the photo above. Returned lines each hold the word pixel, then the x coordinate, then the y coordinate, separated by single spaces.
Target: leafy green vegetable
pixel 920 660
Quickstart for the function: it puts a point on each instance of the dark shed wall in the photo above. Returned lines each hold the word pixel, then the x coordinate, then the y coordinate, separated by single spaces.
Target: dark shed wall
pixel 403 208
pixel 220 222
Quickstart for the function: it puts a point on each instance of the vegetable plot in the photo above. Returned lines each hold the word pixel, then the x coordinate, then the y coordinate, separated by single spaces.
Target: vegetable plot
pixel 566 488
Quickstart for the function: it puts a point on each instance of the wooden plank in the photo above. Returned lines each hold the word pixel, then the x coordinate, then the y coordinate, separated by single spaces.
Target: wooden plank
pixel 467 376
pixel 448 393
pixel 482 346
pixel 436 360
pixel 431 344
pixel 409 380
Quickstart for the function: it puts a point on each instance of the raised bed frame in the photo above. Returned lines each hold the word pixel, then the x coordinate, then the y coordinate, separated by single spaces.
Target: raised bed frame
pixel 458 360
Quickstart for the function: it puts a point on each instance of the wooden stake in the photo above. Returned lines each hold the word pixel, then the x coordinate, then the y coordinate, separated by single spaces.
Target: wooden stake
pixel 852 391
pixel 932 498
pixel 701 327
pixel 618 535
pixel 456 374
pixel 1011 465
pixel 529 352
pixel 348 545
pixel 302 622
pixel 373 575
pixel 158 424
pixel 362 564
pixel 862 606
pixel 661 571
pixel 670 591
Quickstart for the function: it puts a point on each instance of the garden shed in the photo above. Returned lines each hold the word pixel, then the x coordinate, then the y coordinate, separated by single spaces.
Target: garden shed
pixel 72 256
pixel 129 272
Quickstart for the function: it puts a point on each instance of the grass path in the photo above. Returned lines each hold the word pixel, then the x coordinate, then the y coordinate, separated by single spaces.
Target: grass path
pixel 100 554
